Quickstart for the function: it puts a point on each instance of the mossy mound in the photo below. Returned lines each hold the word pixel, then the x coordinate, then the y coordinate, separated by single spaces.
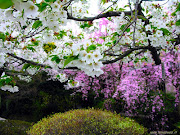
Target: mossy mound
pixel 14 127
pixel 87 122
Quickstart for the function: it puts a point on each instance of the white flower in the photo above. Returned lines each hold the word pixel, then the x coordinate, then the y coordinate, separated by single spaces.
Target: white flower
pixel 98 72
pixel 16 89
pixel 94 72
pixel 3 74
pixel 73 84
pixel 48 36
pixel 63 14
pixel 86 43
pixel 39 1
pixel 63 22
pixel 25 78
pixel 82 55
pixel 7 87
pixel 9 14
pixel 55 27
pixel 15 34
pixel 122 15
pixel 89 58
pixel 62 78
pixel 8 44
pixel 160 24
pixel 66 52
pixel 10 88
pixel 2 60
pixel 55 7
pixel 89 66
pixel 98 65
pixel 30 9
pixel 148 27
pixel 51 22
pixel 97 56
pixel 31 70
pixel 76 49
pixel 80 64
pixel 159 33
pixel 17 5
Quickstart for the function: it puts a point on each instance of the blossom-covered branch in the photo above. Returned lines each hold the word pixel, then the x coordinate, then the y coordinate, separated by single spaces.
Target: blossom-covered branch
pixel 28 61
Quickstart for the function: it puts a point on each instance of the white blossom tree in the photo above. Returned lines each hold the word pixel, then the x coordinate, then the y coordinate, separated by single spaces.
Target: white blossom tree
pixel 53 35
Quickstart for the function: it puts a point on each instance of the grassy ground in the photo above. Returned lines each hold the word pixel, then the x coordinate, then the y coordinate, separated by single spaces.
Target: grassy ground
pixel 14 127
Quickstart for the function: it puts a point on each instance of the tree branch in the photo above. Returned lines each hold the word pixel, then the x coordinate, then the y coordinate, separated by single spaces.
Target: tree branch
pixel 27 61
pixel 125 54
pixel 105 15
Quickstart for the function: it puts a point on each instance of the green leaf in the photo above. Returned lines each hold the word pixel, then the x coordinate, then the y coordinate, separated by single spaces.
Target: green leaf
pixel 55 58
pixel 8 80
pixel 2 36
pixel 142 17
pixel 61 34
pixel 122 26
pixel 136 60
pixel 165 31
pixel 121 9
pixel 25 66
pixel 173 14
pixel 144 58
pixel 50 0
pixel 114 42
pixel 115 34
pixel 178 7
pixel 2 82
pixel 86 24
pixel 4 4
pixel 42 6
pixel 178 22
pixel 108 44
pixel 37 24
pixel 31 48
pixel 128 30
pixel 103 1
pixel 91 47
pixel 69 59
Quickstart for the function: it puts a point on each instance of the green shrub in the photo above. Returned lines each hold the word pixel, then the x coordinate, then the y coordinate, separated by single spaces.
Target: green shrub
pixel 14 127
pixel 87 122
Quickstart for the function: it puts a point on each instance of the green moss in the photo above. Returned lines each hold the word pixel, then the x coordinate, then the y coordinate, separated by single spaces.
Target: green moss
pixel 14 127
pixel 87 122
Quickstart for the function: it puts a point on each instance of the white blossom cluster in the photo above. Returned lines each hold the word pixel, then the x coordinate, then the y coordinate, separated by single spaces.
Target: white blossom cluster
pixel 31 70
pixel 10 88
pixel 48 37
pixel 62 78
pixel 25 78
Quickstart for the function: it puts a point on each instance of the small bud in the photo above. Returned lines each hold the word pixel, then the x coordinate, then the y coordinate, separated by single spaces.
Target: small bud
pixel 56 33
pixel 90 22
pixel 33 40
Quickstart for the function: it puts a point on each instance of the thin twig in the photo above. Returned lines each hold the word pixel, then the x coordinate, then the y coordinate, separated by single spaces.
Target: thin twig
pixel 130 8
pixel 127 26
pixel 108 7
pixel 33 34
pixel 125 54
pixel 135 20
